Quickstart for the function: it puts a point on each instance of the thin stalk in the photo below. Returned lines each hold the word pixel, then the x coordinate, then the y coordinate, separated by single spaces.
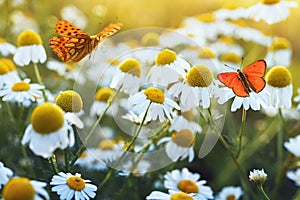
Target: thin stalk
pixel 39 80
pixel 66 157
pixel 52 160
pixel 261 189
pixel 240 137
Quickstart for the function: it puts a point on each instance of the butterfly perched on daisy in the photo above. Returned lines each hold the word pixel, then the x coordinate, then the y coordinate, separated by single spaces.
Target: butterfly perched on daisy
pixel 74 44
pixel 249 79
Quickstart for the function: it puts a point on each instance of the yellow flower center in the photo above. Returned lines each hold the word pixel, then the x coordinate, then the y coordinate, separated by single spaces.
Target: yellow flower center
pixel 150 39
pixel 165 57
pixel 155 95
pixel 188 186
pixel 199 76
pixel 2 40
pixel 207 17
pixel 240 23
pixel 107 145
pixel 69 101
pixel 189 115
pixel 280 44
pixel 206 53
pixel 3 68
pixel 76 183
pixel 226 40
pixel 269 2
pixel 231 57
pixel 103 94
pixel 183 138
pixel 279 77
pixel 83 155
pixel 20 87
pixel 28 37
pixel 181 196
pixel 131 66
pixel 47 118
pixel 18 189
pixel 230 197
pixel 9 63
pixel 70 67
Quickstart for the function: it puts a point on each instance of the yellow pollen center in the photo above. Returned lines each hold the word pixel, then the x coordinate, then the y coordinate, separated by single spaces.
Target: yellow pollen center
pixel 76 183
pixel 188 186
pixel 181 196
pixel 269 2
pixel 189 115
pixel 207 17
pixel 20 87
pixel 83 155
pixel 226 40
pixel 280 44
pixel 47 118
pixel 2 40
pixel 69 101
pixel 230 197
pixel 9 63
pixel 240 23
pixel 3 68
pixel 131 66
pixel 155 95
pixel 18 189
pixel 206 53
pixel 103 94
pixel 183 138
pixel 165 57
pixel 199 76
pixel 106 145
pixel 150 39
pixel 70 67
pixel 28 37
pixel 231 57
pixel 279 77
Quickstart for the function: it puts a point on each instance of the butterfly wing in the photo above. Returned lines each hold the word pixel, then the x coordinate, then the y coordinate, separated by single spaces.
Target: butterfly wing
pixel 231 80
pixel 66 29
pixel 109 31
pixel 255 73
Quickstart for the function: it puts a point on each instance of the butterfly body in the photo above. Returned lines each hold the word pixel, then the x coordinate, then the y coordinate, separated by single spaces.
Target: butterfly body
pixel 250 79
pixel 74 44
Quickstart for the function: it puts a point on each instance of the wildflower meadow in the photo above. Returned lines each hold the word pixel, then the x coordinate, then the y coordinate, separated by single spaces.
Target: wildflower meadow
pixel 155 100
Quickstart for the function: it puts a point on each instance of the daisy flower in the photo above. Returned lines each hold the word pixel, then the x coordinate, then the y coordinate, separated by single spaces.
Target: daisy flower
pixel 6 48
pixel 187 182
pixel 293 146
pixel 231 12
pixel 27 189
pixel 153 103
pixel 230 192
pixel 195 89
pixel 21 91
pixel 48 130
pixel 71 103
pixel 70 186
pixel 5 174
pixel 100 102
pixel 172 195
pixel 279 53
pixel 271 11
pixel 180 145
pixel 167 62
pixel 287 113
pixel 226 45
pixel 30 48
pixel 137 169
pixel 74 15
pixel 185 120
pixel 127 77
pixel 279 86
pixel 8 72
pixel 258 176
pixel 294 176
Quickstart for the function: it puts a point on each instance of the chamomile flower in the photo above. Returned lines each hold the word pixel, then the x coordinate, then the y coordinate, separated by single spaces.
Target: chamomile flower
pixel 100 103
pixel 187 182
pixel 185 120
pixel 279 53
pixel 271 11
pixel 294 176
pixel 231 12
pixel 172 195
pixel 5 174
pixel 180 145
pixel 293 146
pixel 21 91
pixel 279 85
pixel 26 189
pixel 137 169
pixel 153 103
pixel 71 103
pixel 230 193
pixel 29 49
pixel 6 48
pixel 48 130
pixel 258 176
pixel 127 77
pixel 70 186
pixel 168 63
pixel 195 89
pixel 8 72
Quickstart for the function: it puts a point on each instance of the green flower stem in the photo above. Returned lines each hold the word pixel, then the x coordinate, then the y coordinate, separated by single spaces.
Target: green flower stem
pixel 52 160
pixel 82 147
pixel 10 114
pixel 66 157
pixel 240 137
pixel 39 80
pixel 261 189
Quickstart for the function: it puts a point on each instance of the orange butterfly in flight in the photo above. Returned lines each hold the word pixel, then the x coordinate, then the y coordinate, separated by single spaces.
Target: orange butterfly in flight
pixel 247 80
pixel 74 44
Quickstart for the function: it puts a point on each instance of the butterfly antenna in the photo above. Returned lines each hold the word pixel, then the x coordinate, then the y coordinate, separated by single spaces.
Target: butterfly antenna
pixel 229 67
pixel 242 62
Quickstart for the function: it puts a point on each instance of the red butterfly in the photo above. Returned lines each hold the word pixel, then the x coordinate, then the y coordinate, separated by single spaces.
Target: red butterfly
pixel 247 80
